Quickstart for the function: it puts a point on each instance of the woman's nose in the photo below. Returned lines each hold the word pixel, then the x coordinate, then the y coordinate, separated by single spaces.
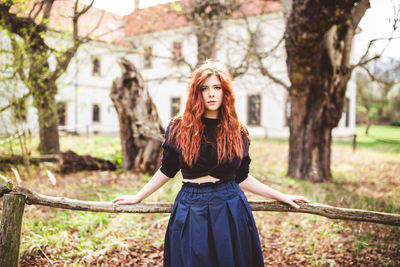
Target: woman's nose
pixel 212 92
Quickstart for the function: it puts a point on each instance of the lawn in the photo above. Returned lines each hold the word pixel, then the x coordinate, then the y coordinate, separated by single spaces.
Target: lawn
pixel 380 138
pixel 365 179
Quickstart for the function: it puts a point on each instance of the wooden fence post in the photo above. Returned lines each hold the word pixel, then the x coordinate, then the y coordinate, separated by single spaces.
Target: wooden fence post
pixel 10 232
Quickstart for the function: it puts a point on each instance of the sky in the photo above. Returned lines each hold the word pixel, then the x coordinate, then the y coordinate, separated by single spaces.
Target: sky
pixel 376 22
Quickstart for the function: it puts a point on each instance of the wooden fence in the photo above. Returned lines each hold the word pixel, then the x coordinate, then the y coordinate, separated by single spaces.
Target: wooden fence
pixel 16 196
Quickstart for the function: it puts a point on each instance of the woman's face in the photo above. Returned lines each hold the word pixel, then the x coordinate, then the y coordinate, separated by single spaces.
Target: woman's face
pixel 212 95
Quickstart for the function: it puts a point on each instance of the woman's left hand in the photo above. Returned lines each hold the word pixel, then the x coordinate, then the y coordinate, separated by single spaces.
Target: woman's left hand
pixel 289 199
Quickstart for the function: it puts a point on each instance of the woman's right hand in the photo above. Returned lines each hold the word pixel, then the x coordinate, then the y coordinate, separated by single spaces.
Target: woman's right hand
pixel 158 180
pixel 126 199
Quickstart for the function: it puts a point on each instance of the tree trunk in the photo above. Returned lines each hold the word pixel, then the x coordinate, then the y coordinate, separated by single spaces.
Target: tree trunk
pixel 45 103
pixel 32 57
pixel 368 124
pixel 207 17
pixel 140 127
pixel 206 31
pixel 48 131
pixel 44 89
pixel 318 45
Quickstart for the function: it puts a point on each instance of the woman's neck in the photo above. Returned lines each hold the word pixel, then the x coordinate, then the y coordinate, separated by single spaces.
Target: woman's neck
pixel 211 114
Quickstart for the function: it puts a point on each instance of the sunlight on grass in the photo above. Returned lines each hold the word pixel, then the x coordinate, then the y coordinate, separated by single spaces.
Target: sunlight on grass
pixel 384 139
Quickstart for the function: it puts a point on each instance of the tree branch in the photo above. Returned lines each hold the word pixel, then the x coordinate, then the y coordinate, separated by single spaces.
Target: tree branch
pixel 83 11
pixel 260 56
pixel 14 103
pixel 34 7
pixel 264 71
pixel 65 58
pixel 95 27
pixel 15 24
pixel 166 207
pixel 18 59
pixel 358 12
pixel 46 13
pixel 363 60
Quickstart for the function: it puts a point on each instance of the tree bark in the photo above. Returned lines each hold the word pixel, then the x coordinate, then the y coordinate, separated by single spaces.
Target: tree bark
pixel 46 105
pixel 368 124
pixel 166 207
pixel 318 45
pixel 44 89
pixel 140 127
pixel 10 232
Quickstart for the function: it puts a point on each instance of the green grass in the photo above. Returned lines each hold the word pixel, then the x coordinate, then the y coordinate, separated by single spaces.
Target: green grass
pixel 102 146
pixel 107 147
pixel 380 132
pixel 69 234
pixel 380 138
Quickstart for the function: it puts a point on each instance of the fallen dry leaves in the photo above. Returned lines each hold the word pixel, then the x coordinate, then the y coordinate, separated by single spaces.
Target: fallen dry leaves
pixel 287 239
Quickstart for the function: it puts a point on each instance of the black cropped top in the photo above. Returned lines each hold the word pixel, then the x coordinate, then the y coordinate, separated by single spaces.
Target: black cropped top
pixel 172 160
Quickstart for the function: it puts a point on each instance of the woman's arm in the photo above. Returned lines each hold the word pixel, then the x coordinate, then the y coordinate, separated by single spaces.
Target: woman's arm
pixel 158 180
pixel 252 185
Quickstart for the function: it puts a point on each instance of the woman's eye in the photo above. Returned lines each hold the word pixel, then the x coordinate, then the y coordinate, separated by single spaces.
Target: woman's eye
pixel 218 87
pixel 203 88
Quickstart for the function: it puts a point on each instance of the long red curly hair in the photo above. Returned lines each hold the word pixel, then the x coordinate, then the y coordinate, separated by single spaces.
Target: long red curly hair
pixel 187 129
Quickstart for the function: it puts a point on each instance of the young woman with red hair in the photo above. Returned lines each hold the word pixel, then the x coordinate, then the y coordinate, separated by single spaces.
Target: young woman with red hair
pixel 211 223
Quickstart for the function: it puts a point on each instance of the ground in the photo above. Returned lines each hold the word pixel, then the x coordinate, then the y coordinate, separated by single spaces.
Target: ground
pixel 365 179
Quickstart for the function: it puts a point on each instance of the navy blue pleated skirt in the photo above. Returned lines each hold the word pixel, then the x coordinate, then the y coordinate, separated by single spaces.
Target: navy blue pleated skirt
pixel 212 224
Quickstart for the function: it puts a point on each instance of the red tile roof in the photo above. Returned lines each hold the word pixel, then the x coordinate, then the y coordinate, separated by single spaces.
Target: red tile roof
pixel 156 18
pixel 169 16
pixel 99 24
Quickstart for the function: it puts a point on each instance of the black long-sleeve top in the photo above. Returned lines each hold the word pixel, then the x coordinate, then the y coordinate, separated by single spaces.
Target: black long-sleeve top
pixel 207 164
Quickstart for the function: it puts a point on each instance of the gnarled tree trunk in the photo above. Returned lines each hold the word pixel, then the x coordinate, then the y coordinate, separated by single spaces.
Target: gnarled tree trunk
pixel 45 102
pixel 318 45
pixel 140 127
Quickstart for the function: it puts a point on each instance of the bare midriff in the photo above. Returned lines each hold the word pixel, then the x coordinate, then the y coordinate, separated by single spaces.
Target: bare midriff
pixel 203 179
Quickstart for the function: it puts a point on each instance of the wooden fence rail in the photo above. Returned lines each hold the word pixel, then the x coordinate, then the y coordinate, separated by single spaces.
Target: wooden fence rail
pixel 11 220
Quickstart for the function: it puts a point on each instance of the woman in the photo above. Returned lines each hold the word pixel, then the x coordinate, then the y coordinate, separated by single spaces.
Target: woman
pixel 211 223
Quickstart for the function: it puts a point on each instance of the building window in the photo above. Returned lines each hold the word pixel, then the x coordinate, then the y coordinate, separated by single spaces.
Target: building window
pixel 19 110
pixel 96 70
pixel 61 111
pixel 346 110
pixel 254 110
pixel 96 112
pixel 177 53
pixel 147 59
pixel 175 106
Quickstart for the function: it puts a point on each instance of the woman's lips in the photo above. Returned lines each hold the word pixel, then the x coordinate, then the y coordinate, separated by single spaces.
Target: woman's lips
pixel 211 102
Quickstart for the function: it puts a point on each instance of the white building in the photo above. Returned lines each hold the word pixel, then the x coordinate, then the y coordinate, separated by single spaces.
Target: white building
pixel 161 36
pixel 158 37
